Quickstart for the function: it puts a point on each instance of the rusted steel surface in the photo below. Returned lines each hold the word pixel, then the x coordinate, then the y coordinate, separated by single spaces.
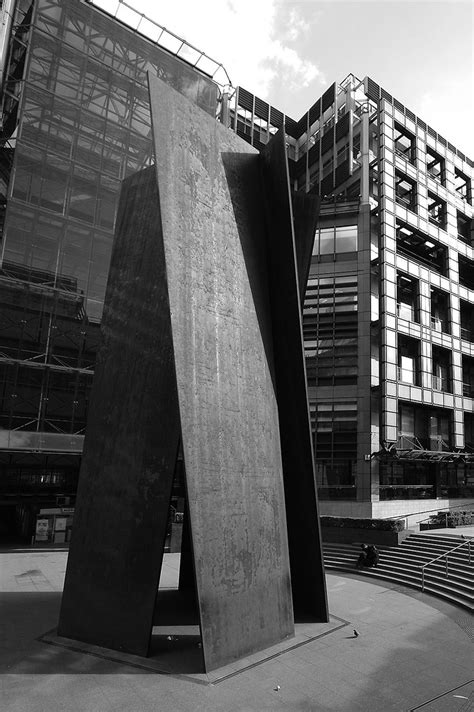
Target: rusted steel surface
pixel 306 561
pixel 214 237
pixel 203 342
pixel 131 442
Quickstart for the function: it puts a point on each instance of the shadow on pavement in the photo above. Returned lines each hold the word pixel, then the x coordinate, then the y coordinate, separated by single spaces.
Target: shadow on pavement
pixel 29 644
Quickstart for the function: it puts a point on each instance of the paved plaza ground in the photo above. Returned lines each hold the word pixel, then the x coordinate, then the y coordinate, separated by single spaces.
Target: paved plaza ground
pixel 413 652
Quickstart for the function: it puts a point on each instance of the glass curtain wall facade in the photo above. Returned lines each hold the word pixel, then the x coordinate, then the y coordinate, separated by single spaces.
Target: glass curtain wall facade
pixel 75 123
pixel 390 299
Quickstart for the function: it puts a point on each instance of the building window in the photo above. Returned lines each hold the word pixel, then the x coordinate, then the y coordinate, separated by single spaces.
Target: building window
pixel 464 228
pixel 330 331
pixel 342 153
pixel 404 142
pixel 440 311
pixel 466 271
pixel 436 210
pixel 405 191
pixel 429 427
pixel 334 426
pixel 441 369
pixel 335 240
pixel 407 479
pixel 468 376
pixel 328 124
pixel 406 422
pixel 435 165
pixel 407 298
pixel 419 247
pixel 328 166
pixel 408 360
pixel 315 135
pixel 469 430
pixel 462 185
pixel 467 321
pixel 346 238
pixel 356 154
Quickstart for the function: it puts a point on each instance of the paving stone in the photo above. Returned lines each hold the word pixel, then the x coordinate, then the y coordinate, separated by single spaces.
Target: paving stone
pixel 410 650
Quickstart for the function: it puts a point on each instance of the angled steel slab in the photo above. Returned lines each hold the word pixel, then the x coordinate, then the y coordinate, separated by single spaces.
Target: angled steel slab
pixel 215 245
pixel 131 442
pixel 288 270
pixel 197 345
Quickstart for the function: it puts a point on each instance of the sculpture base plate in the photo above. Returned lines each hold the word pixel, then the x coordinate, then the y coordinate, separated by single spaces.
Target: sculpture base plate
pixel 182 657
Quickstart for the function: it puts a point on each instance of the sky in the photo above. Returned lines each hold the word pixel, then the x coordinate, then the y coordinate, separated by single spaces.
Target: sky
pixel 288 52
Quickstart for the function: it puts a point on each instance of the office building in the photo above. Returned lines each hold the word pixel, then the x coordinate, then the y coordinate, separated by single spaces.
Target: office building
pixel 75 122
pixel 389 307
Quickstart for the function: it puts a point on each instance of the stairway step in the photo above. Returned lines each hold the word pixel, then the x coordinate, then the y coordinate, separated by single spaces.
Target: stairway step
pixel 410 577
pixel 403 557
pixel 447 592
pixel 464 578
pixel 420 554
pixel 455 568
pixel 457 577
pixel 438 542
pixel 403 565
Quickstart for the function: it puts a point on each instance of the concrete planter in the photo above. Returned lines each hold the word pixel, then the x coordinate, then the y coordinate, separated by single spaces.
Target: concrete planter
pixel 349 535
pixel 426 526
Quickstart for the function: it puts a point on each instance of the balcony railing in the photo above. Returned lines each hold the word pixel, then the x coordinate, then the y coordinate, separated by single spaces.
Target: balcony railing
pixel 435 173
pixel 408 154
pixel 439 383
pixel 409 202
pixel 468 390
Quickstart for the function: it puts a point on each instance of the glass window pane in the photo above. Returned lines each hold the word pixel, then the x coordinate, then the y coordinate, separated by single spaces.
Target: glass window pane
pixel 326 241
pixel 346 238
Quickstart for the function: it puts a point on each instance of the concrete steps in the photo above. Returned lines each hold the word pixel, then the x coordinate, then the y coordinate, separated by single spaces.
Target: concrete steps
pixel 402 564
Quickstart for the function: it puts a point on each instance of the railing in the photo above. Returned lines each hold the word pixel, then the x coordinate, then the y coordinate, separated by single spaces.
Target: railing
pixel 140 23
pixel 439 383
pixel 435 173
pixel 409 203
pixel 466 506
pixel 442 556
pixel 407 154
pixel 436 219
pixel 468 389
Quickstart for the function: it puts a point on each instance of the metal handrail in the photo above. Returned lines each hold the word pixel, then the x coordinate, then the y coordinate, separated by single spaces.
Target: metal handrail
pixel 468 505
pixel 441 556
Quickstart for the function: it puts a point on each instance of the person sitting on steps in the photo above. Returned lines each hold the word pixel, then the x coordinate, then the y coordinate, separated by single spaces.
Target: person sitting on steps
pixel 373 556
pixel 368 557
